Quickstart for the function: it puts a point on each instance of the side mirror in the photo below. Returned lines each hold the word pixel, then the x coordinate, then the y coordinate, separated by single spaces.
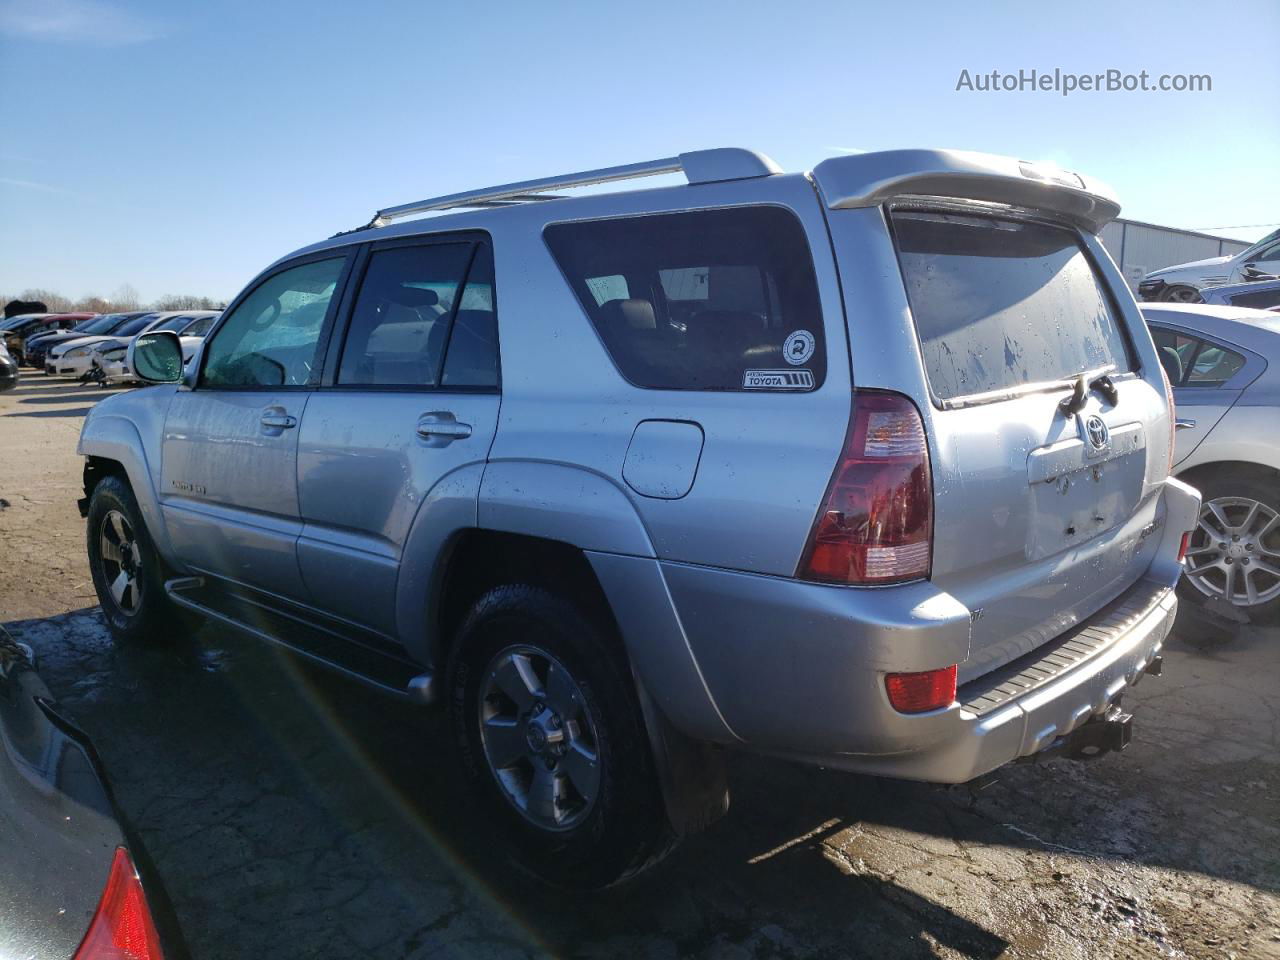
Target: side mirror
pixel 156 357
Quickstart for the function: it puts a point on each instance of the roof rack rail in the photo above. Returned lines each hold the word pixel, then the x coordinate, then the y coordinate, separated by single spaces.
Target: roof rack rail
pixel 698 166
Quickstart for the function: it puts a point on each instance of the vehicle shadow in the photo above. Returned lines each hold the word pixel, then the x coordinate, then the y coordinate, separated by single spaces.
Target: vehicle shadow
pixel 67 397
pixel 65 388
pixel 265 788
pixel 60 412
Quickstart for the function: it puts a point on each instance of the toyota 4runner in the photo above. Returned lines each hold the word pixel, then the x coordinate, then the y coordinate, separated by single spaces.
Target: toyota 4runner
pixel 866 467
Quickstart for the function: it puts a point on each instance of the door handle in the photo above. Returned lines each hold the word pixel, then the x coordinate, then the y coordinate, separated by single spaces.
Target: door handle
pixel 442 427
pixel 278 421
pixel 1181 424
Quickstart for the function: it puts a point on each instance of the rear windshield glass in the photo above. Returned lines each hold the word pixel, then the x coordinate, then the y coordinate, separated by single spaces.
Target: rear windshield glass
pixel 708 300
pixel 1000 303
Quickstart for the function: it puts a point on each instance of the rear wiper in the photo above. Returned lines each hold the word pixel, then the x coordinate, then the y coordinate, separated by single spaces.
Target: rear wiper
pixel 1099 380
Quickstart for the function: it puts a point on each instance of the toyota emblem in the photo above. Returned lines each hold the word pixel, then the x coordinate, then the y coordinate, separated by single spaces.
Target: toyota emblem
pixel 1096 430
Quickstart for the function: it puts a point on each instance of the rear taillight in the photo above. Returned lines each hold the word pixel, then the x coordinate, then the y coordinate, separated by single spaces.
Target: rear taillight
pixel 122 928
pixel 876 521
pixel 921 692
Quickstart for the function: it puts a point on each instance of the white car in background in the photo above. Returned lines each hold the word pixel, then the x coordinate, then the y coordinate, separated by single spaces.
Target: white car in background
pixel 1185 282
pixel 74 358
pixel 109 358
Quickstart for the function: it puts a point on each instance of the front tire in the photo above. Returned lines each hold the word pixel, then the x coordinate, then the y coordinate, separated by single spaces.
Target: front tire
pixel 1181 293
pixel 548 730
pixel 128 573
pixel 1234 552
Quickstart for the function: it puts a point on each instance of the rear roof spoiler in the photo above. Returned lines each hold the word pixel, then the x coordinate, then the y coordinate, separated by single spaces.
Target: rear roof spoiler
pixel 871 179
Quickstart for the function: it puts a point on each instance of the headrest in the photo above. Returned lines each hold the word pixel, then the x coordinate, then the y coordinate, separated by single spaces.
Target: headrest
pixel 731 322
pixel 1172 363
pixel 633 314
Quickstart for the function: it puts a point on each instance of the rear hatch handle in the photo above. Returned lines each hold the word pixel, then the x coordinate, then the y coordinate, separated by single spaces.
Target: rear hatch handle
pixel 1099 380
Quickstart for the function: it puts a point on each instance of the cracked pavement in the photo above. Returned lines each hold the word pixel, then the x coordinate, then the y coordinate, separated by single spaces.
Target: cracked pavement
pixel 294 814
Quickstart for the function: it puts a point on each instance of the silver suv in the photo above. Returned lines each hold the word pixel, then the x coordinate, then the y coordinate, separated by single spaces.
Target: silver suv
pixel 866 467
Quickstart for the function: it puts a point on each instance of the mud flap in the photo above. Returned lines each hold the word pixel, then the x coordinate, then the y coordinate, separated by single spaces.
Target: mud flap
pixel 692 773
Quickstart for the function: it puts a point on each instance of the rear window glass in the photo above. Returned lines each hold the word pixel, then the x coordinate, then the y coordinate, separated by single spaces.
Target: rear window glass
pixel 708 300
pixel 1258 299
pixel 1000 303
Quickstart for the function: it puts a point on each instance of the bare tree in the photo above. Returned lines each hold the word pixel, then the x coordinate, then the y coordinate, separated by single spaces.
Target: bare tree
pixel 93 304
pixel 125 298
pixel 186 301
pixel 56 302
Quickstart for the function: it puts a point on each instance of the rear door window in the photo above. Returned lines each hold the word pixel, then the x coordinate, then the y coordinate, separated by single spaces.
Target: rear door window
pixel 999 303
pixel 708 300
pixel 1193 362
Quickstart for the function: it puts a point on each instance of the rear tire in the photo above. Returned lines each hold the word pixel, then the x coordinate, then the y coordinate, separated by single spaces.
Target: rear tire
pixel 128 572
pixel 1236 545
pixel 549 733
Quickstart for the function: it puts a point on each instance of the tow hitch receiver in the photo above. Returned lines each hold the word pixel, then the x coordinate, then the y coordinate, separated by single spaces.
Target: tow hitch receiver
pixel 1100 735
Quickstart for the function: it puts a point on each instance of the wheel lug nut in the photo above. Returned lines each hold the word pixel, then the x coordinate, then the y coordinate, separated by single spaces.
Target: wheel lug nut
pixel 1228 561
pixel 1245 561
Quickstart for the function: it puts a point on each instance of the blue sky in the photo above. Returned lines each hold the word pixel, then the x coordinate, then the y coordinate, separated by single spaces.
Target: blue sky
pixel 180 147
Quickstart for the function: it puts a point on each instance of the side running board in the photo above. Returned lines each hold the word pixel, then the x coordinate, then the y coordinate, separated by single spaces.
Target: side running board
pixel 354 658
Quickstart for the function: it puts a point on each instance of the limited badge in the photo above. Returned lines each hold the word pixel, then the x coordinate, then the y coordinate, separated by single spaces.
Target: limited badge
pixel 798 347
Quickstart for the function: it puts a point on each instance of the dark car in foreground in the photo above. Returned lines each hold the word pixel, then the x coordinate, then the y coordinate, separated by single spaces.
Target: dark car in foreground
pixel 8 370
pixel 70 880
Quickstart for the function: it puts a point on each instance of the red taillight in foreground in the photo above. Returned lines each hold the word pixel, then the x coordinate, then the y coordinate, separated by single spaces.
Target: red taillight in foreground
pixel 876 523
pixel 122 928
pixel 921 692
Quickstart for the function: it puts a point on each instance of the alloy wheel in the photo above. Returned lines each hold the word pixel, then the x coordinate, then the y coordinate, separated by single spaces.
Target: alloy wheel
pixel 539 738
pixel 121 562
pixel 1234 552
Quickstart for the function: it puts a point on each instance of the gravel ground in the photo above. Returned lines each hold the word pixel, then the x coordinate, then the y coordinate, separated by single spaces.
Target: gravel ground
pixel 292 814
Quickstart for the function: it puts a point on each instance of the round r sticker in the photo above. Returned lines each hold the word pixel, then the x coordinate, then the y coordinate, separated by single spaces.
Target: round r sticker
pixel 798 347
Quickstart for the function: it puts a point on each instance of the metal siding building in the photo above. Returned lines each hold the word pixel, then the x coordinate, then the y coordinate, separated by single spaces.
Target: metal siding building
pixel 1138 248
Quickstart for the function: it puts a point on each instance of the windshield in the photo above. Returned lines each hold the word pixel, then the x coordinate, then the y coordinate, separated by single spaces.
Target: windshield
pixel 173 323
pixel 201 327
pixel 1001 303
pixel 101 324
pixel 1257 247
pixel 136 325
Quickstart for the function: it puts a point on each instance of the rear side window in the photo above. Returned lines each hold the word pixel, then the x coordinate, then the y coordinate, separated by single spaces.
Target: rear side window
pixel 1000 303
pixel 709 300
pixel 1192 362
pixel 424 317
pixel 1258 299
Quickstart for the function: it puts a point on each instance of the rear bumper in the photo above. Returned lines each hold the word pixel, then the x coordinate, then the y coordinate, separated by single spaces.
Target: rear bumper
pixel 797 669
